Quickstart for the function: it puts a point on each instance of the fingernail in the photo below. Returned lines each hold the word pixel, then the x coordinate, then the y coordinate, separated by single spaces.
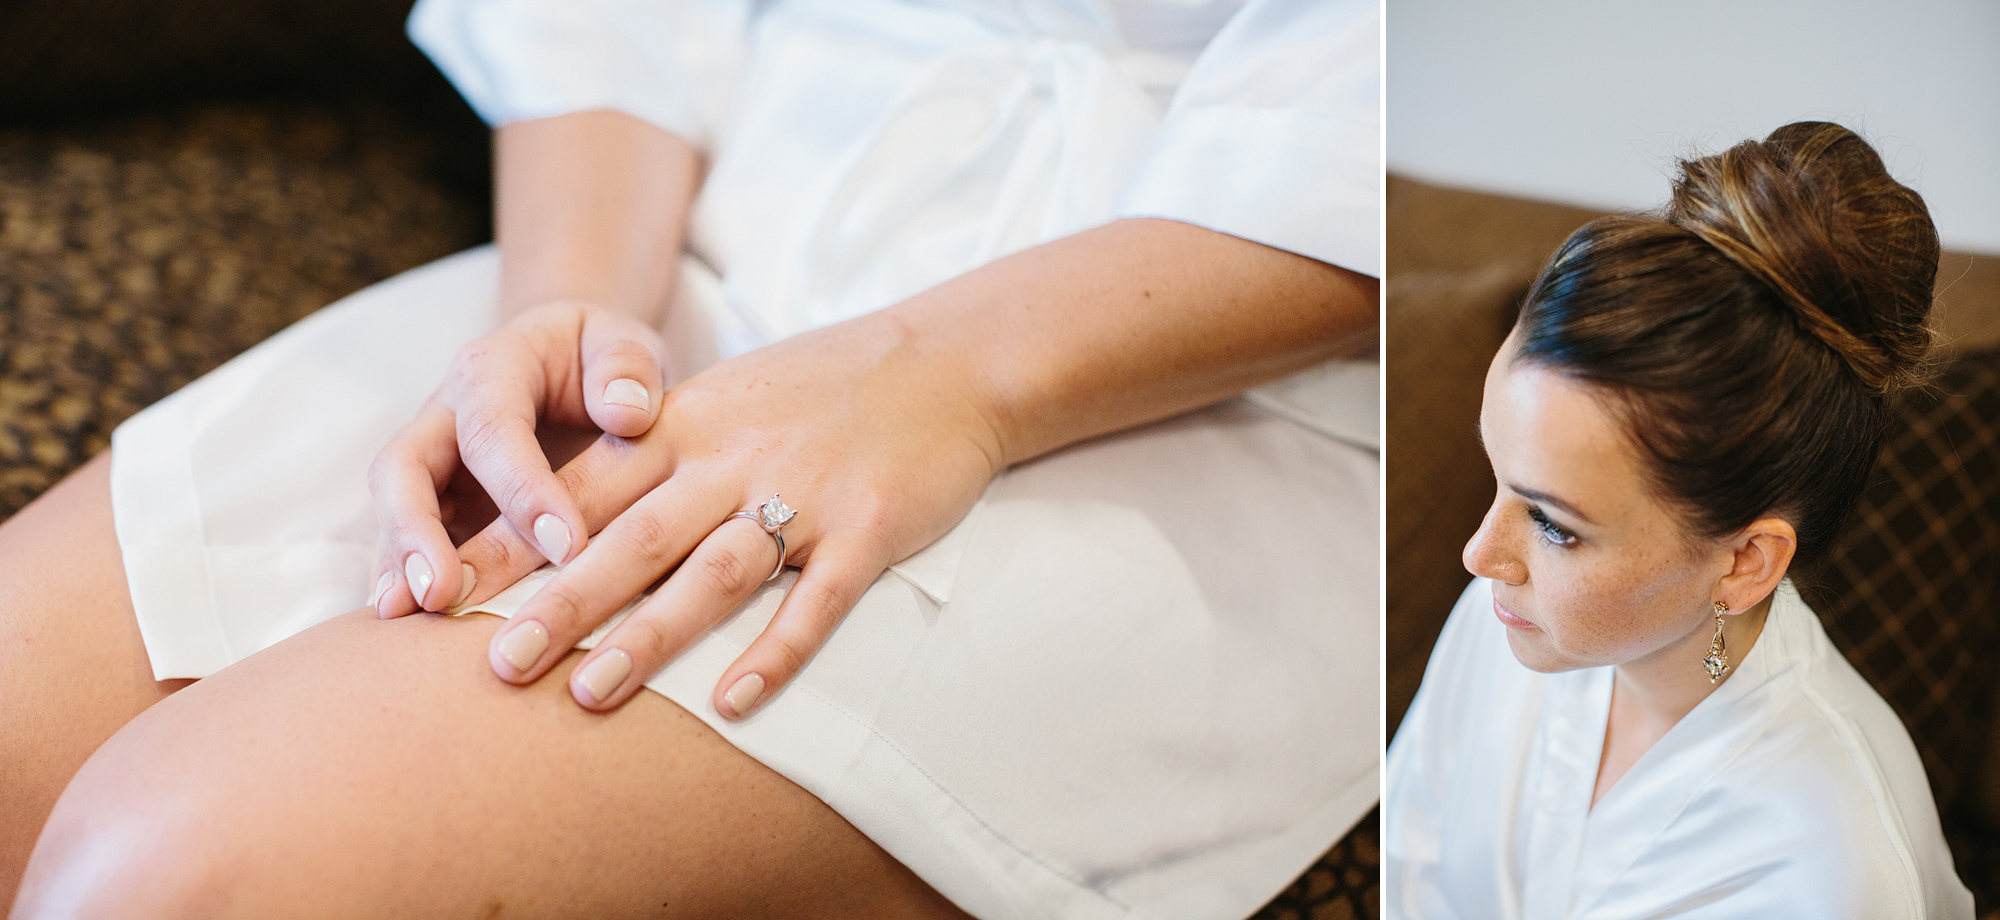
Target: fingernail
pixel 466 579
pixel 419 573
pixel 553 535
pixel 627 392
pixel 381 587
pixel 744 694
pixel 604 673
pixel 523 645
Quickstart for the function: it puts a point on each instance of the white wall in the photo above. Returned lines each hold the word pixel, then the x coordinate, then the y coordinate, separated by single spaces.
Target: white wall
pixel 1588 101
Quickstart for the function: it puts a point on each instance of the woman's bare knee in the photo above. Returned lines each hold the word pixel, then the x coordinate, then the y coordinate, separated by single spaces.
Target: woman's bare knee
pixel 73 667
pixel 369 768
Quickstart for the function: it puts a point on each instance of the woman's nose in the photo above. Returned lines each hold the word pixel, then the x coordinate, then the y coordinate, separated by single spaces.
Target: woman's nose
pixel 1490 554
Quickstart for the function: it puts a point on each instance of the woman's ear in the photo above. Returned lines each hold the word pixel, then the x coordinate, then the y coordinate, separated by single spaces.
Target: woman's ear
pixel 1762 554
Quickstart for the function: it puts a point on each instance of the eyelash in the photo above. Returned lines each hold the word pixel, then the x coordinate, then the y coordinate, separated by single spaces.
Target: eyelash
pixel 1551 532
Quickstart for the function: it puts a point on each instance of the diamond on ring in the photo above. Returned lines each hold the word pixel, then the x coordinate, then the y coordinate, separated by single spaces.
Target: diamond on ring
pixel 773 514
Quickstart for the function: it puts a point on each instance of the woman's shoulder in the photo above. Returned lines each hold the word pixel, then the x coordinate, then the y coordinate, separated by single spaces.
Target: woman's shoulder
pixel 1828 781
pixel 1823 712
pixel 1802 816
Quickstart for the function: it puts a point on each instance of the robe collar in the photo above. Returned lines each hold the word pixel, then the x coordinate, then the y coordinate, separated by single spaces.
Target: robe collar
pixel 1577 852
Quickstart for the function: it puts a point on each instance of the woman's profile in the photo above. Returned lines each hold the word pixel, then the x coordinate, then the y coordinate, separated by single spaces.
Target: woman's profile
pixel 918 556
pixel 1631 712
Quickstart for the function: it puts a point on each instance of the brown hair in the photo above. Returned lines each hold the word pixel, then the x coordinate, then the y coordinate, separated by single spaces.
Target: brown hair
pixel 1750 332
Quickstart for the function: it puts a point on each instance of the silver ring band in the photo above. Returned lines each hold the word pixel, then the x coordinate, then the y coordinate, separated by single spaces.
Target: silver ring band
pixel 772 517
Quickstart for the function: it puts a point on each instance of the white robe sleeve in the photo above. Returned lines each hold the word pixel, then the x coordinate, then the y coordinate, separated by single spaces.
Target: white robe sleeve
pixel 1275 134
pixel 673 64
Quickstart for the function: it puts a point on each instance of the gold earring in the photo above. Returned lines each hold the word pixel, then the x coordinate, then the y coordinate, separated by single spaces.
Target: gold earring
pixel 1717 662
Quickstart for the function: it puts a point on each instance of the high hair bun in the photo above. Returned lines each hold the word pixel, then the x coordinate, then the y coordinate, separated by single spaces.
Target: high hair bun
pixel 1811 212
pixel 1749 335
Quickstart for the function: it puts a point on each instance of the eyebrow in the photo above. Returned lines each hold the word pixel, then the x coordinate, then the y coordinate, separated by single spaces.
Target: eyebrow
pixel 1547 499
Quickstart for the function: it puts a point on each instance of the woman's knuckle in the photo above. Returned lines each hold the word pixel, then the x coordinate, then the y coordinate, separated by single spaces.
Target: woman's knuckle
pixel 875 522
pixel 514 492
pixel 497 553
pixel 482 428
pixel 680 400
pixel 381 466
pixel 623 349
pixel 470 358
pixel 644 636
pixel 789 653
pixel 725 572
pixel 580 479
pixel 560 602
pixel 823 602
pixel 643 536
pixel 405 533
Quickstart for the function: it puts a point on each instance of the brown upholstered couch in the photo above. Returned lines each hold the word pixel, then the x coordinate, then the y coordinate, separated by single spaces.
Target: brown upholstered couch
pixel 180 180
pixel 1910 594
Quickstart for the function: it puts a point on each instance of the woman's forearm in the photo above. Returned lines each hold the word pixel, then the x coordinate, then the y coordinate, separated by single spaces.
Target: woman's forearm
pixel 1131 322
pixel 591 206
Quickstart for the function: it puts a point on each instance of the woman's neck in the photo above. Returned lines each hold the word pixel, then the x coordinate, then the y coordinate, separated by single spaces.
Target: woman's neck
pixel 1650 695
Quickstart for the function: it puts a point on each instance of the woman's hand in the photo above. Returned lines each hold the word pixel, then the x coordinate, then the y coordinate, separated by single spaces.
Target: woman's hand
pixel 879 442
pixel 882 431
pixel 473 445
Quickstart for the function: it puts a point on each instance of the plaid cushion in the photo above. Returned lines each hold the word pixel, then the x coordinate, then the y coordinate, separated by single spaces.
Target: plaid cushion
pixel 1909 593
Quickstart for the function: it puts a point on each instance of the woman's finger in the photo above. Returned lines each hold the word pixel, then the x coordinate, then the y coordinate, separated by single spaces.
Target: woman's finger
pixel 838 573
pixel 621 373
pixel 603 480
pixel 629 554
pixel 416 551
pixel 498 403
pixel 728 566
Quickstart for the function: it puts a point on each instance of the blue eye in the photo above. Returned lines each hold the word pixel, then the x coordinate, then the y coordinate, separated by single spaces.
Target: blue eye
pixel 1551 531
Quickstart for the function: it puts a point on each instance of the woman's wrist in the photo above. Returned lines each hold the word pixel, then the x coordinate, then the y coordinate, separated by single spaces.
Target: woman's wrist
pixel 591 207
pixel 1128 323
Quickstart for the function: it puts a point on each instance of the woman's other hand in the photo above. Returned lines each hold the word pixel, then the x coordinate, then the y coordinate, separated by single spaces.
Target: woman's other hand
pixel 562 365
pixel 590 213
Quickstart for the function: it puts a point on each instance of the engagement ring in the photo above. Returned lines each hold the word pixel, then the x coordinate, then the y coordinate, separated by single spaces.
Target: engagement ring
pixel 772 516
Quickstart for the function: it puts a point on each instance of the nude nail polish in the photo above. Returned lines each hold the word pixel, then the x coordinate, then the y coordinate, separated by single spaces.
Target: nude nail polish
pixel 742 696
pixel 524 644
pixel 382 586
pixel 603 674
pixel 418 572
pixel 553 535
pixel 627 392
pixel 466 579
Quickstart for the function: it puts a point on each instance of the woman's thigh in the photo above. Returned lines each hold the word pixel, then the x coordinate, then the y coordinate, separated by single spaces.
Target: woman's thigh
pixel 73 668
pixel 371 768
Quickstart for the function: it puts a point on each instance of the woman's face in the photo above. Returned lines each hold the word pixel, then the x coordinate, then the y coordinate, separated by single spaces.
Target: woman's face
pixel 1589 568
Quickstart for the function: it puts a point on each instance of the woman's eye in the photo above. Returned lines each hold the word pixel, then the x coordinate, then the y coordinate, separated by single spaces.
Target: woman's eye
pixel 1551 531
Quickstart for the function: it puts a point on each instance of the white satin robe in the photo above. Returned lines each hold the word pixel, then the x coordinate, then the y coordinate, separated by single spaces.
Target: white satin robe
pixel 1140 678
pixel 1791 791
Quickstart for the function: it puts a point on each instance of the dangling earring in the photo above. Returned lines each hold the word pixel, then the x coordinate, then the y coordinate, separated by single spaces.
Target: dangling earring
pixel 1717 662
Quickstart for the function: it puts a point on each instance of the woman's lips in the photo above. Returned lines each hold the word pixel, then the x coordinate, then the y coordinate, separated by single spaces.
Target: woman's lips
pixel 1507 616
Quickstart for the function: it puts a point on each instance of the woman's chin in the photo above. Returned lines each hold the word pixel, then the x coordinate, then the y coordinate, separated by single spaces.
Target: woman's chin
pixel 1531 649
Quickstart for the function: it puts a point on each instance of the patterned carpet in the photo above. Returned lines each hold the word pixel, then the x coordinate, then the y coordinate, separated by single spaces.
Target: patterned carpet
pixel 137 254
